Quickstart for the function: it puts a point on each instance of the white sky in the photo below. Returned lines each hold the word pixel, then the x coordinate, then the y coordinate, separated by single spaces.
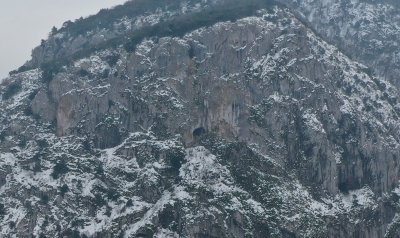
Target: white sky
pixel 23 23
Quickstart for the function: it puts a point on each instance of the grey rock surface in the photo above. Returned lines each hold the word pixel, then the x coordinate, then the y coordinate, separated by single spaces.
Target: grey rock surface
pixel 255 127
pixel 368 31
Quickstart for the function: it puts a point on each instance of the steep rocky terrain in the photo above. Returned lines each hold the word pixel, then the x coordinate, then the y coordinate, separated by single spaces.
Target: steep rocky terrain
pixel 366 30
pixel 256 122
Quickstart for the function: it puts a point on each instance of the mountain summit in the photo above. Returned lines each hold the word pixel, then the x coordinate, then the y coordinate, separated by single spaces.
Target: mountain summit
pixel 189 118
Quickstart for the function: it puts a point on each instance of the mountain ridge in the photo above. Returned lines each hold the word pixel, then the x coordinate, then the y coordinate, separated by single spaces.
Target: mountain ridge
pixel 249 128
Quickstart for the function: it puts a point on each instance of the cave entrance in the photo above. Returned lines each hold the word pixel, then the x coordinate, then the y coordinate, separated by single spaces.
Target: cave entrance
pixel 199 132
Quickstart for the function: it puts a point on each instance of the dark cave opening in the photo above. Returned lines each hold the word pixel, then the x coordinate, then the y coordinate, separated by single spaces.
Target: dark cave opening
pixel 199 132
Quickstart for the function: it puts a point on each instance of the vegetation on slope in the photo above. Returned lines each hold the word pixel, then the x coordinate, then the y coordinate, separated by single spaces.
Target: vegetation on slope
pixel 175 27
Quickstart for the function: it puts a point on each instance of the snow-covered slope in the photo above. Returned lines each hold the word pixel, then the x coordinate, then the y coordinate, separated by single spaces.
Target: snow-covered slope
pixel 253 126
pixel 366 30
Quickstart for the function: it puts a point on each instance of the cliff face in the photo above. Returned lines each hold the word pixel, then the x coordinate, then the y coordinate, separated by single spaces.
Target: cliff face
pixel 249 127
pixel 366 30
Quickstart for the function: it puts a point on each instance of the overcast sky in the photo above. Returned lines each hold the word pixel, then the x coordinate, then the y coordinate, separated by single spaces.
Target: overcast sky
pixel 23 23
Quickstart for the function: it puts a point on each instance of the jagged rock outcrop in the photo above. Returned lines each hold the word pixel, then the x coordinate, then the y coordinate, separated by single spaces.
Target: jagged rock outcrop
pixel 368 31
pixel 250 127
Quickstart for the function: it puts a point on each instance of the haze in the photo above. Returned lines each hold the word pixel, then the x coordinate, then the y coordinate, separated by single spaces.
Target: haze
pixel 23 23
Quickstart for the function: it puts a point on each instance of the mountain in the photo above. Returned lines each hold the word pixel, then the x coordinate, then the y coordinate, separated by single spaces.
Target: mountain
pixel 366 30
pixel 205 119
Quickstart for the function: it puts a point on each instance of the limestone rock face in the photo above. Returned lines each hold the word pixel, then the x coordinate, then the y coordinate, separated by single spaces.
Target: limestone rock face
pixel 368 31
pixel 252 126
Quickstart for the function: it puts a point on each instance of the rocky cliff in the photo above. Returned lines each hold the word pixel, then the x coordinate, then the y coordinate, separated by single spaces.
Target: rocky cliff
pixel 366 30
pixel 203 119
